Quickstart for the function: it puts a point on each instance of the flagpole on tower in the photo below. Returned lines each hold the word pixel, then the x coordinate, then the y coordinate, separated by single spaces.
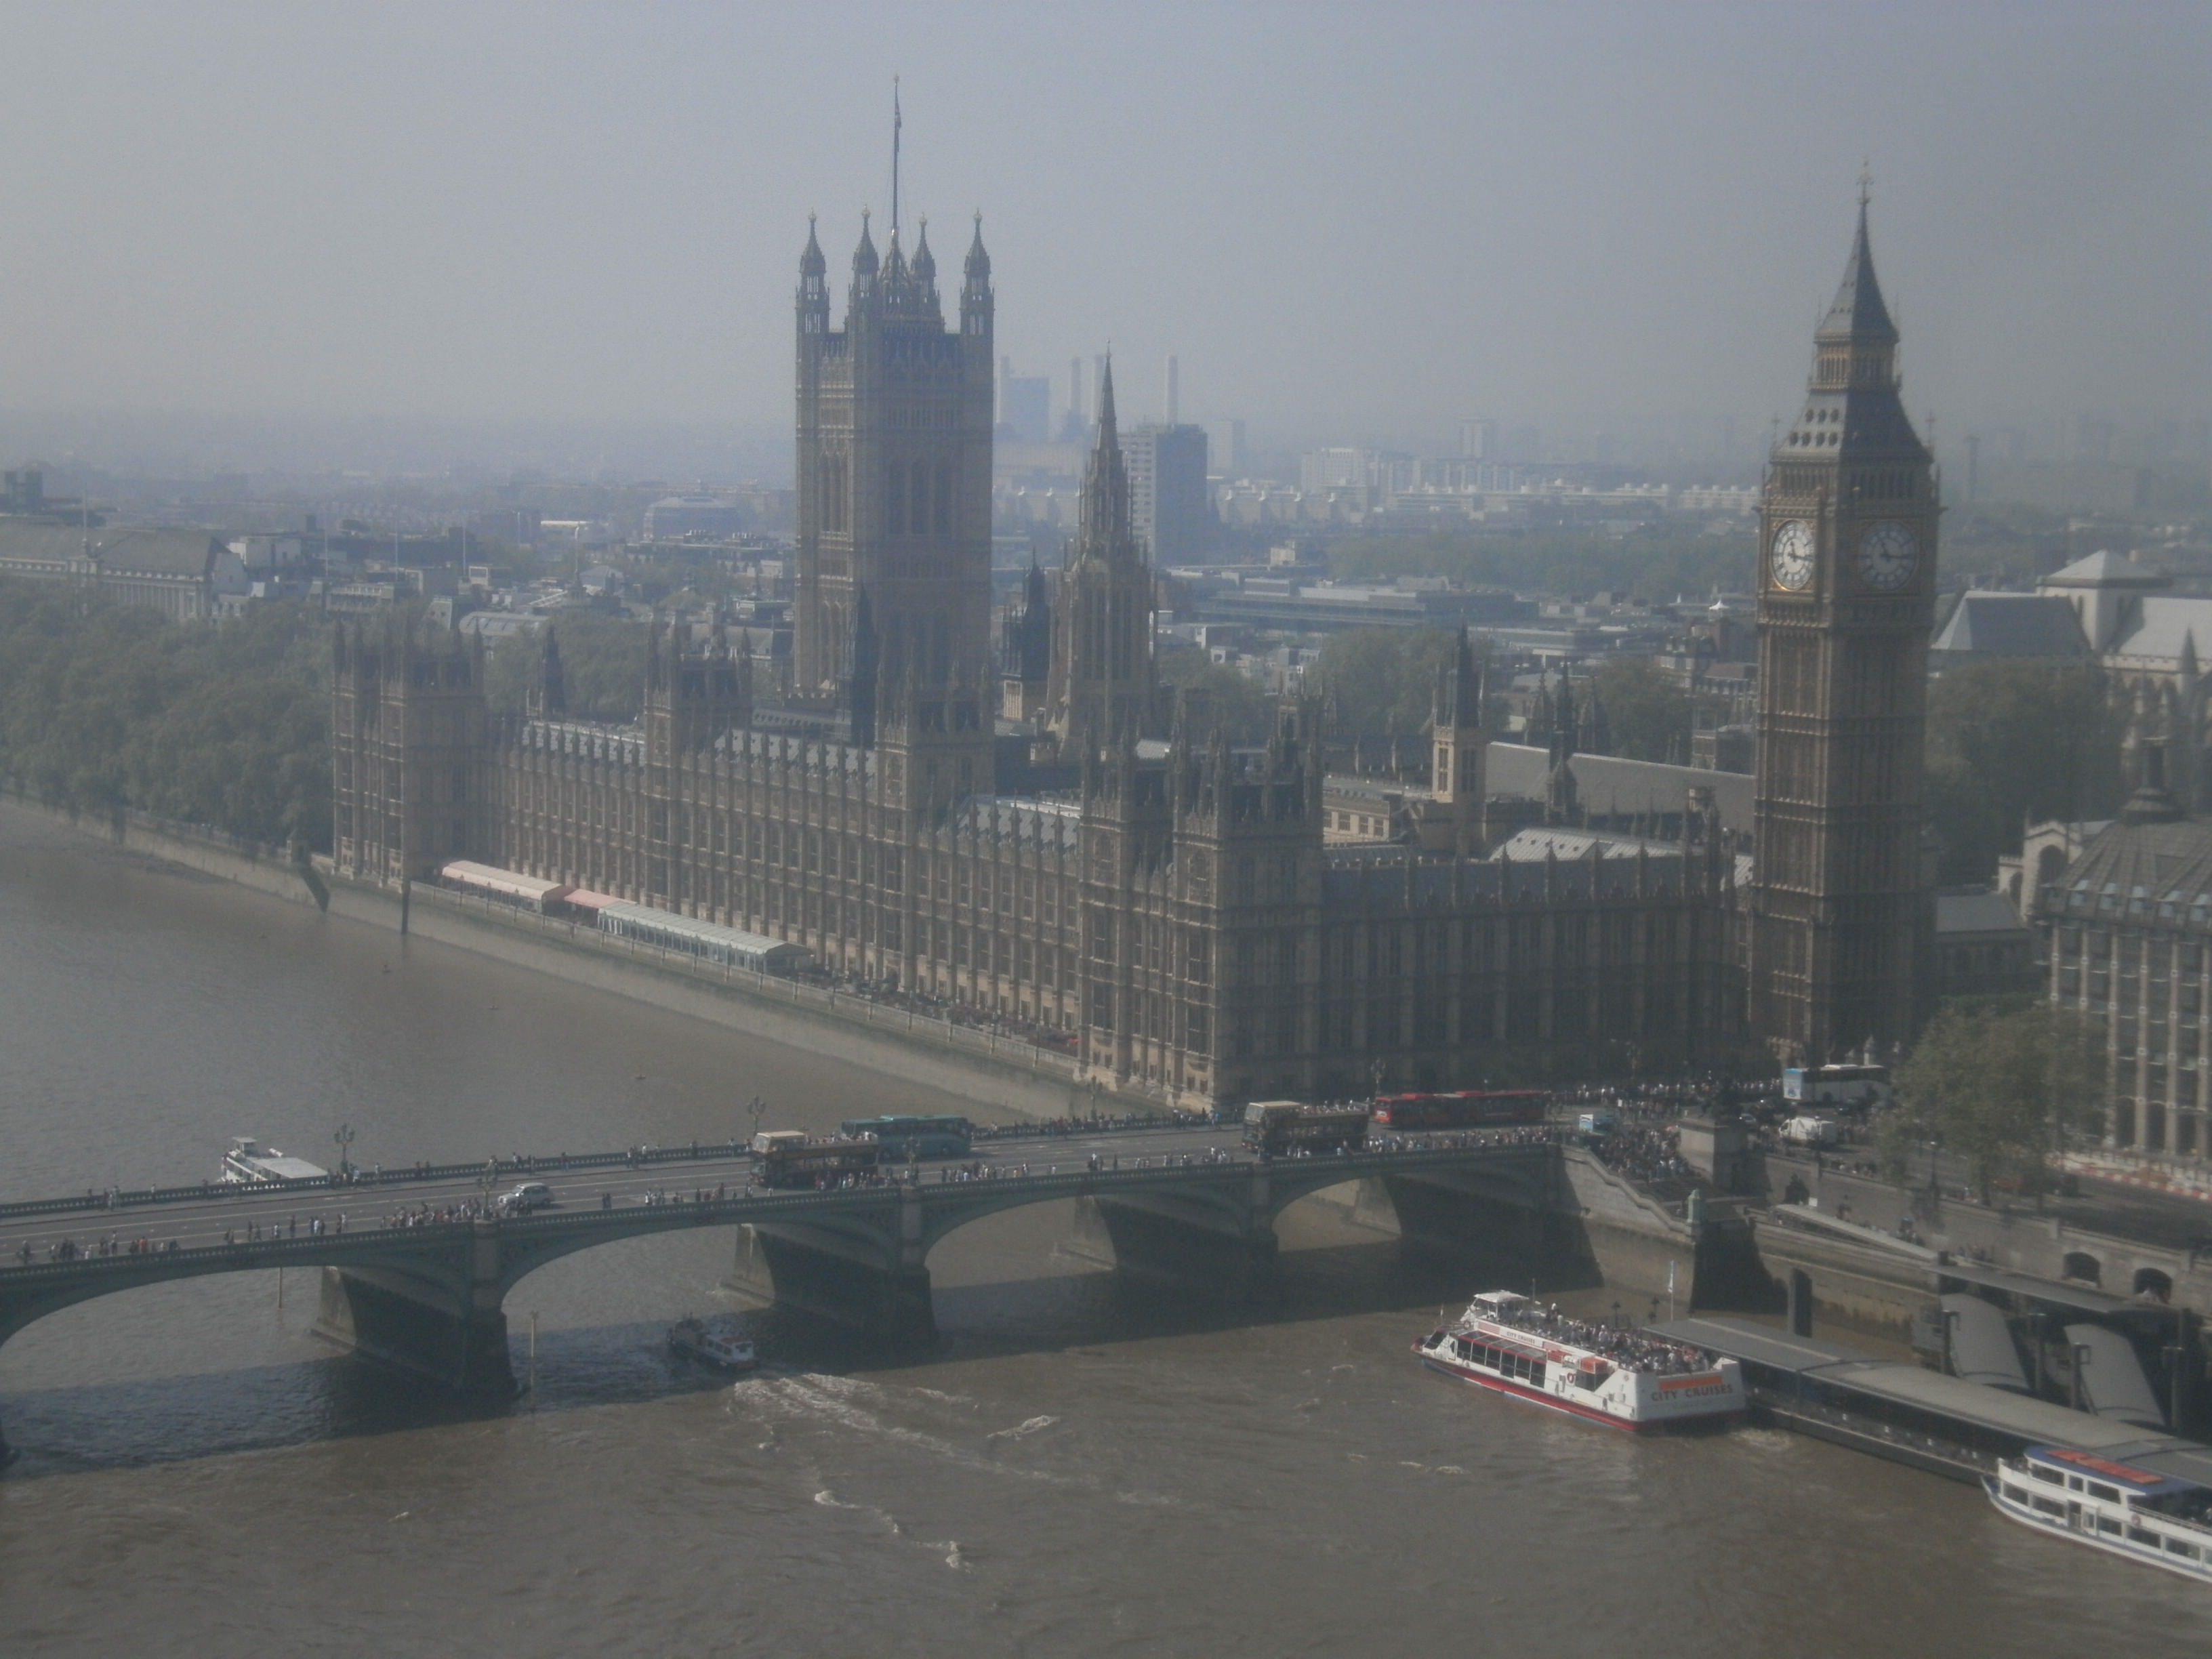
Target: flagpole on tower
pixel 898 121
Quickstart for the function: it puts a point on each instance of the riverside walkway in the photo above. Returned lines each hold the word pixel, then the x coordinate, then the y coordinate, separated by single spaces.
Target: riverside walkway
pixel 418 1261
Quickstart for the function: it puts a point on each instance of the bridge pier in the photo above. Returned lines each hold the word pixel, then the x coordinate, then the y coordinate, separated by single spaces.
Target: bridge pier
pixel 1449 1211
pixel 417 1326
pixel 830 1276
pixel 1163 1237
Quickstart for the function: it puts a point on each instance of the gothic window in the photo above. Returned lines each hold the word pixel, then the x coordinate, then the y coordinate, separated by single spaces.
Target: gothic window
pixel 918 520
pixel 943 520
pixel 894 498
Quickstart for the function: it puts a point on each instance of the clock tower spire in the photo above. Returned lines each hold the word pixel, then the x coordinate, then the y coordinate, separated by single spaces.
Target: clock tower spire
pixel 1841 930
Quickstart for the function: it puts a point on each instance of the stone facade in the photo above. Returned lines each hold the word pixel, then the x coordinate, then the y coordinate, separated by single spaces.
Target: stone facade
pixel 1842 917
pixel 1179 909
pixel 2127 926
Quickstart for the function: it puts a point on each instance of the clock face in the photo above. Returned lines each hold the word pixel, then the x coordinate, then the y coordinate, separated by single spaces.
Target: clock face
pixel 1888 553
pixel 1790 560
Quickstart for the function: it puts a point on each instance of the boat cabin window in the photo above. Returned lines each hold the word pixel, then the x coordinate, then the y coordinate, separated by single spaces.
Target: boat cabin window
pixel 2175 1546
pixel 2105 1523
pixel 2050 1506
pixel 2042 1474
pixel 2142 1535
pixel 2110 1494
pixel 2073 1483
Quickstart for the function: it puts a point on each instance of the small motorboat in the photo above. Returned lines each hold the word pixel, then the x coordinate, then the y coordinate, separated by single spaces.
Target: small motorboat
pixel 713 1343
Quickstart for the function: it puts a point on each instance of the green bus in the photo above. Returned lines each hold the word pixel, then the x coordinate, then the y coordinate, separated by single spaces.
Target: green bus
pixel 916 1133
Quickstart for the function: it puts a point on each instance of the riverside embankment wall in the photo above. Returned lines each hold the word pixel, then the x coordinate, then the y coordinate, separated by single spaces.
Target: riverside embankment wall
pixel 914 1050
pixel 2041 1245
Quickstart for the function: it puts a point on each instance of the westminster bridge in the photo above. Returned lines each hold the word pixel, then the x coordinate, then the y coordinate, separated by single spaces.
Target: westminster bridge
pixel 416 1263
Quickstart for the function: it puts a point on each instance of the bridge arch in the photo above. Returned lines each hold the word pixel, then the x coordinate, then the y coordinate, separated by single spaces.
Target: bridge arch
pixel 27 1295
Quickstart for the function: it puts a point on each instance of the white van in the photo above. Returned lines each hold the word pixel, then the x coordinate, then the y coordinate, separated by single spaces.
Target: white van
pixel 1803 1130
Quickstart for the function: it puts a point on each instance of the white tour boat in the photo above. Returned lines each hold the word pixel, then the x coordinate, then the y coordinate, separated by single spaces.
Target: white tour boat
pixel 1509 1343
pixel 713 1342
pixel 2129 1511
pixel 249 1164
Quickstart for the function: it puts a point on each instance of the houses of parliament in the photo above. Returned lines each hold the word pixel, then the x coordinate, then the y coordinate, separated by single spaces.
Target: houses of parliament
pixel 1163 894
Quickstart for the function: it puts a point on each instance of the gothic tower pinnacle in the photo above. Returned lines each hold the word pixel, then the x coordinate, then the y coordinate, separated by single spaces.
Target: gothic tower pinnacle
pixel 1101 668
pixel 894 474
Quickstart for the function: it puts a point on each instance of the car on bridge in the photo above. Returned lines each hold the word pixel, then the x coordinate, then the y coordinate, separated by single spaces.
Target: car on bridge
pixel 527 1196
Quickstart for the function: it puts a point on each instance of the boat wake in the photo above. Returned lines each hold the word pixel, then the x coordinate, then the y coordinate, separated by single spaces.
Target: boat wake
pixel 1023 1430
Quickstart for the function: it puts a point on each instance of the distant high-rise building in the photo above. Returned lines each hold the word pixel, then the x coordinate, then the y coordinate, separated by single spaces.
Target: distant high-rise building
pixel 1170 507
pixel 1172 404
pixel 1378 471
pixel 1478 440
pixel 1075 425
pixel 1025 406
pixel 1225 439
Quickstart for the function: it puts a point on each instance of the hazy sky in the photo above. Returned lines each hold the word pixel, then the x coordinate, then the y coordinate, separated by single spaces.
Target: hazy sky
pixel 1375 216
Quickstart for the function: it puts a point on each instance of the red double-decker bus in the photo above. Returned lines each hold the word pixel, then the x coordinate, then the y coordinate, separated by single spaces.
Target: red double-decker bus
pixel 1468 1108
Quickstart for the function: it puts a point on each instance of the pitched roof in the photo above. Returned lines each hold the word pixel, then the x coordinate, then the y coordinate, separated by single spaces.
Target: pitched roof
pixel 2014 625
pixel 2158 858
pixel 1976 913
pixel 1609 785
pixel 2105 569
pixel 1537 843
pixel 116 547
pixel 2159 625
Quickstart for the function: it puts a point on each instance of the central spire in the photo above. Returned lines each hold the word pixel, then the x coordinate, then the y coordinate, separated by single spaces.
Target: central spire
pixel 1106 482
pixel 1108 437
pixel 898 121
pixel 1857 313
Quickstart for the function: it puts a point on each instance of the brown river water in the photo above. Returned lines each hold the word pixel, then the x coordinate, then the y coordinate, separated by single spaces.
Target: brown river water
pixel 1086 1466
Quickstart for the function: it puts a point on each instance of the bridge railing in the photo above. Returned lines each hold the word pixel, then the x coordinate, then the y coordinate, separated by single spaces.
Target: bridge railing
pixel 117 1198
pixel 520 1164
pixel 1076 1178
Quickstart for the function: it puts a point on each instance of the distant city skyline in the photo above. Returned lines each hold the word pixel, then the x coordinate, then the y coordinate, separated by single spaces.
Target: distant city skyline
pixel 505 216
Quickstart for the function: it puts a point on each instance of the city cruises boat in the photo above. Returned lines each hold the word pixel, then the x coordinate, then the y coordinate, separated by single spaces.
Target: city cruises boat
pixel 2145 1516
pixel 1517 1347
pixel 713 1343
pixel 249 1164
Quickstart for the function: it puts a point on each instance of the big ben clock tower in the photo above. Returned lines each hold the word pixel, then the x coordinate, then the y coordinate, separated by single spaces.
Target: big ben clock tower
pixel 1840 914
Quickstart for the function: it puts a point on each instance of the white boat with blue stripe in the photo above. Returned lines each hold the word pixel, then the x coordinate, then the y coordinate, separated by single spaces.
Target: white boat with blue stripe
pixel 2157 1519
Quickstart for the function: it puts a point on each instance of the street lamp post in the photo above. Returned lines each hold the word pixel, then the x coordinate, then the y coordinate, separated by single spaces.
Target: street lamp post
pixel 344 1138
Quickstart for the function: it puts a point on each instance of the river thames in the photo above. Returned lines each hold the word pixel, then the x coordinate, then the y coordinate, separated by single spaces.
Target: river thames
pixel 1084 1467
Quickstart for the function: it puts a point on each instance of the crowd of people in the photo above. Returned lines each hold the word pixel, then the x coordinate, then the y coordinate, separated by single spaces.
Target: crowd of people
pixel 68 1249
pixel 1649 1153
pixel 1630 1350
